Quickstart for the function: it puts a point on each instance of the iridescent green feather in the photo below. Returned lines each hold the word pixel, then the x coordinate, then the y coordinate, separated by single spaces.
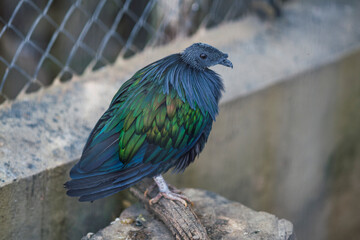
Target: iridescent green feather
pixel 152 117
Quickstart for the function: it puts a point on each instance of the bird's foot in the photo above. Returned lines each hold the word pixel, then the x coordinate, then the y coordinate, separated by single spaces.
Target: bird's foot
pixel 171 196
pixel 152 187
pixel 165 192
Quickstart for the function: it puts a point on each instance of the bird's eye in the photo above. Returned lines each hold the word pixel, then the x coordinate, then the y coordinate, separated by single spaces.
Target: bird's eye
pixel 203 56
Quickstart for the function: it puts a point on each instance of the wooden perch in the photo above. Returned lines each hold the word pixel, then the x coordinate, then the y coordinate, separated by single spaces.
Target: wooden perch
pixel 181 220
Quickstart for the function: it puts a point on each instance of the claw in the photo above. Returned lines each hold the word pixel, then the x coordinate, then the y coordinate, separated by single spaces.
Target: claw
pixel 149 189
pixel 171 196
pixel 165 192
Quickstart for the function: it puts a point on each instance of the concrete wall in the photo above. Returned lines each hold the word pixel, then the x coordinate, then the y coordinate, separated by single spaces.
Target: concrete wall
pixel 291 149
pixel 37 208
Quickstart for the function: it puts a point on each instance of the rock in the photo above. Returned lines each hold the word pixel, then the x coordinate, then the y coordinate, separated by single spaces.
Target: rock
pixel 222 218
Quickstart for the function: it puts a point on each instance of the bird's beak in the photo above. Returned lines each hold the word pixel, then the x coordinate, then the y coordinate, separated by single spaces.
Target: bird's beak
pixel 226 62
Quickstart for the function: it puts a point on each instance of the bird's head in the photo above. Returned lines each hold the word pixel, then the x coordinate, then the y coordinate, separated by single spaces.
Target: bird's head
pixel 202 56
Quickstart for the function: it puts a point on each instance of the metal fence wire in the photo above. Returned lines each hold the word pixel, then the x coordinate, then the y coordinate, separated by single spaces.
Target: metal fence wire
pixel 42 40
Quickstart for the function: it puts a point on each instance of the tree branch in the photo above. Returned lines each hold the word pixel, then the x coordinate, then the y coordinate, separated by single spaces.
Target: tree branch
pixel 180 220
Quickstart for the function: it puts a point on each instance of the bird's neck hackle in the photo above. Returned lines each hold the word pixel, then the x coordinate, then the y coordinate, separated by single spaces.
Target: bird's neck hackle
pixel 200 88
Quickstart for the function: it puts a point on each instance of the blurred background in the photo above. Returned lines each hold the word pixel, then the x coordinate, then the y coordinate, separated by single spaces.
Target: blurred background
pixel 287 140
pixel 43 40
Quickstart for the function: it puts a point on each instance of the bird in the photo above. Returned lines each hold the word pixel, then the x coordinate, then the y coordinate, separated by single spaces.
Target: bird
pixel 159 119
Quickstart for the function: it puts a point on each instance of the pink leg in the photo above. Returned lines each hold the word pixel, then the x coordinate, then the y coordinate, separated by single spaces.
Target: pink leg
pixel 166 193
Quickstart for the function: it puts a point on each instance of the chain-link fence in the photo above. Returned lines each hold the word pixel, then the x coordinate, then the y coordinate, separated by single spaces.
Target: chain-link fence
pixel 42 40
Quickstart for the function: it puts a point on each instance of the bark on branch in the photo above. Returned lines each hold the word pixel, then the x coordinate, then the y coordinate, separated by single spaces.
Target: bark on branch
pixel 181 220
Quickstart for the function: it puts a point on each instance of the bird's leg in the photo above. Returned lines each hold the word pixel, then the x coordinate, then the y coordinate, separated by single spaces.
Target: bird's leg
pixel 152 186
pixel 165 192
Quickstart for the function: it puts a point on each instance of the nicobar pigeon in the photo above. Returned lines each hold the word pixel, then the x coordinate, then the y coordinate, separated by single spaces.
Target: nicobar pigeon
pixel 159 119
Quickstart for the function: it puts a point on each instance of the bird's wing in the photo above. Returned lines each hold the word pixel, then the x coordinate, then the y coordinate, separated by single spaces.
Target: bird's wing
pixel 139 135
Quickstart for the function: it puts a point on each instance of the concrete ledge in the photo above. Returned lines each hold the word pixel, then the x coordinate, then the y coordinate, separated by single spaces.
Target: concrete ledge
pixel 48 129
